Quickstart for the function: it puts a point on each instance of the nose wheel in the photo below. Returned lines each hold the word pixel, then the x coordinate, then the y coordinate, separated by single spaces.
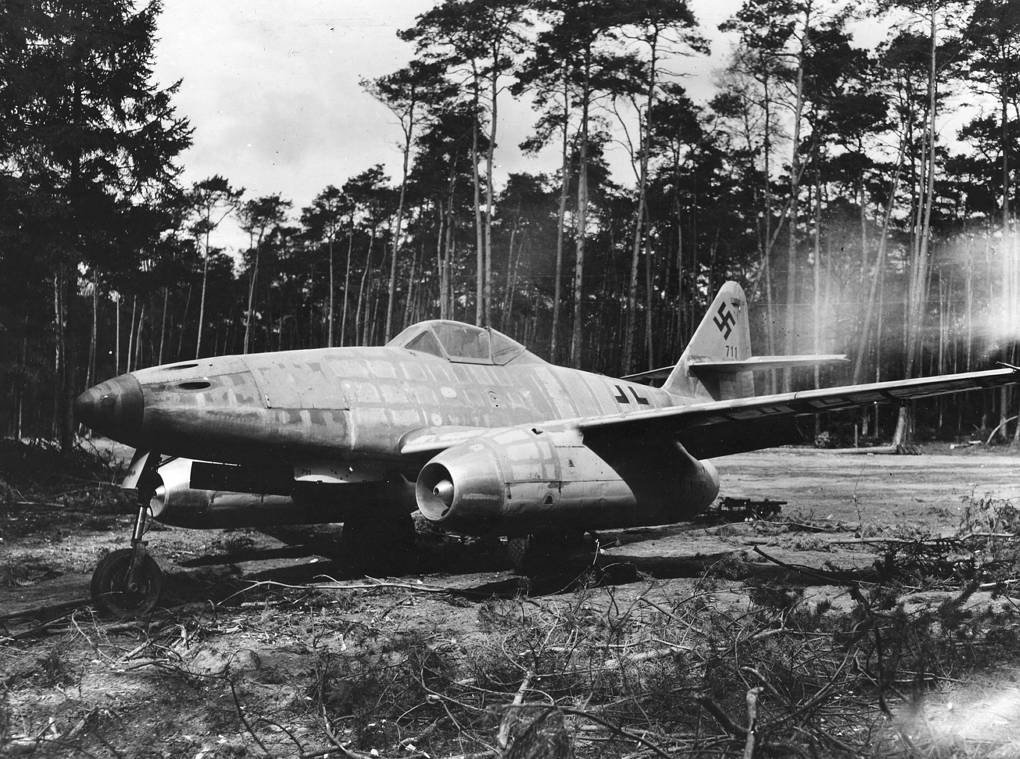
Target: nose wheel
pixel 128 581
pixel 125 585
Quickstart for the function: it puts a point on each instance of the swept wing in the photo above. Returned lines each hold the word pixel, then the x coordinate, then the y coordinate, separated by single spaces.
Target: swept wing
pixel 719 428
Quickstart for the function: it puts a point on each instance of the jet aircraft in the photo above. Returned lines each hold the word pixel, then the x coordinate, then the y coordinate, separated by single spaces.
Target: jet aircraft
pixel 457 421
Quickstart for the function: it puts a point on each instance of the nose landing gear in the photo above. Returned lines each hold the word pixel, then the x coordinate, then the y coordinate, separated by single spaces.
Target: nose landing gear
pixel 128 582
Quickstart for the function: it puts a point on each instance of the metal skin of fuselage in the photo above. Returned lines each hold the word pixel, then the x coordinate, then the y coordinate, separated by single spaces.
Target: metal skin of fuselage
pixel 349 405
pixel 341 418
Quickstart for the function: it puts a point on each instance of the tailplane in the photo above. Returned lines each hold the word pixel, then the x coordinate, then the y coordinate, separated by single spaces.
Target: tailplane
pixel 717 362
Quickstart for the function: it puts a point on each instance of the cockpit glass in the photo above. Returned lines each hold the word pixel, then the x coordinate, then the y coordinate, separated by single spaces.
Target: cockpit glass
pixel 457 341
pixel 504 349
pixel 463 341
pixel 425 343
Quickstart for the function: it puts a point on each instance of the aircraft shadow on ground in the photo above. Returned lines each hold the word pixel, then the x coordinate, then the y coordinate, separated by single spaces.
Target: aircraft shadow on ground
pixel 454 563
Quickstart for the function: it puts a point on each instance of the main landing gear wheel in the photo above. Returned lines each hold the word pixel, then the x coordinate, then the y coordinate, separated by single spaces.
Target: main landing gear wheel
pixel 379 545
pixel 541 551
pixel 122 592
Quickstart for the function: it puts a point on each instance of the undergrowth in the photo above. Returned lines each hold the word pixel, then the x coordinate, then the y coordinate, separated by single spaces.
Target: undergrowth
pixel 39 471
pixel 700 669
pixel 605 671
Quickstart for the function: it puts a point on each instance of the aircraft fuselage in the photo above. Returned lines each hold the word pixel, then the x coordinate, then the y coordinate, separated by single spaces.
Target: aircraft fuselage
pixel 339 404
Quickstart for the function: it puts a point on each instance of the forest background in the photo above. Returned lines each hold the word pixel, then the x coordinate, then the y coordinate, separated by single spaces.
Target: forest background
pixel 818 174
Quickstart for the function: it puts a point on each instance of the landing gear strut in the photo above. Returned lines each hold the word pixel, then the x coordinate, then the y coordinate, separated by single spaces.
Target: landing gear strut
pixel 128 581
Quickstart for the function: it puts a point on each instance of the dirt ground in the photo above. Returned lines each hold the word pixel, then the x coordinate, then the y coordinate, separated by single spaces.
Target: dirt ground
pixel 653 647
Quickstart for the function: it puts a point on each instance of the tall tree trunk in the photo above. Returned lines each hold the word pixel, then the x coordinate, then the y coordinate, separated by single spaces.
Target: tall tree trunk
pixel 919 272
pixel 561 214
pixel 184 320
pixel 359 336
pixel 479 233
pixel 139 354
pixel 513 267
pixel 577 330
pixel 879 335
pixel 392 288
pixel 1007 235
pixel 90 371
pixel 817 325
pixel 116 339
pixel 412 281
pixel 509 269
pixel 131 333
pixel 644 130
pixel 770 316
pixel 451 256
pixel 58 350
pixel 489 192
pixel 678 253
pixel 251 294
pixel 649 333
pixel 162 323
pixel 791 255
pixel 19 428
pixel 332 292
pixel 347 283
pixel 67 388
pixel 859 358
pixel 441 257
pixel 201 297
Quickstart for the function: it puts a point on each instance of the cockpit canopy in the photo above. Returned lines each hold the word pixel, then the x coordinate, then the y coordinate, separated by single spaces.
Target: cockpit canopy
pixel 459 342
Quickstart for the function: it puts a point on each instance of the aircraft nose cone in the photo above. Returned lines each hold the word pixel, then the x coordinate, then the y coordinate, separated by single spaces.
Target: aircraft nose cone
pixel 113 408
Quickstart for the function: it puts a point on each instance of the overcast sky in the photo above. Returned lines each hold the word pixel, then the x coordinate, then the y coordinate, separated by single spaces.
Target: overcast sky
pixel 272 88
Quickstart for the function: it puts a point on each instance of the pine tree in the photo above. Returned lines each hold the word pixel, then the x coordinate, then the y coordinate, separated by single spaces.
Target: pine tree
pixel 83 125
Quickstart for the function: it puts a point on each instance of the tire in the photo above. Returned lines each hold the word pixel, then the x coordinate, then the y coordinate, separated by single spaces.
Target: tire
pixel 382 545
pixel 544 551
pixel 520 551
pixel 109 586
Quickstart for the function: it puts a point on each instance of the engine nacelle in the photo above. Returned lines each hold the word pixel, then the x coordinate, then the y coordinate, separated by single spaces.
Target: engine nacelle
pixel 176 502
pixel 523 480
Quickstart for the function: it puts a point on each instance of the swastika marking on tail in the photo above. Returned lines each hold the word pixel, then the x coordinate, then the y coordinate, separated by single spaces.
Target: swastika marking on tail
pixel 725 321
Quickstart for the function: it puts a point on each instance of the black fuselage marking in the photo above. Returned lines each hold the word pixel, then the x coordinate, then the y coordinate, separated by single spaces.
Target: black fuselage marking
pixel 639 398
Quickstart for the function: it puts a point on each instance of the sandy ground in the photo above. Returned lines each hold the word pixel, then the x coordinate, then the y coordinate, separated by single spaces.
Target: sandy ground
pixel 74 684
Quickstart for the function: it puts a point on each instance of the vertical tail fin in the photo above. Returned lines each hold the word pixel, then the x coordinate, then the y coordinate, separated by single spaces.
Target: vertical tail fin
pixel 718 364
pixel 724 335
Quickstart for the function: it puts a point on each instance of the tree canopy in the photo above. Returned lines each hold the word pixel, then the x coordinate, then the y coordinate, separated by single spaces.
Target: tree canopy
pixel 820 174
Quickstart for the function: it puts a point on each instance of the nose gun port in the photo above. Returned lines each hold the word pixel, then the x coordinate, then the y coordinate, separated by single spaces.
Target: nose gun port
pixel 113 408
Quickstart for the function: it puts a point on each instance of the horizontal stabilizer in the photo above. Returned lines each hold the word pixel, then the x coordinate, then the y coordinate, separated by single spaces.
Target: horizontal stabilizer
pixel 652 374
pixel 754 363
pixel 758 363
